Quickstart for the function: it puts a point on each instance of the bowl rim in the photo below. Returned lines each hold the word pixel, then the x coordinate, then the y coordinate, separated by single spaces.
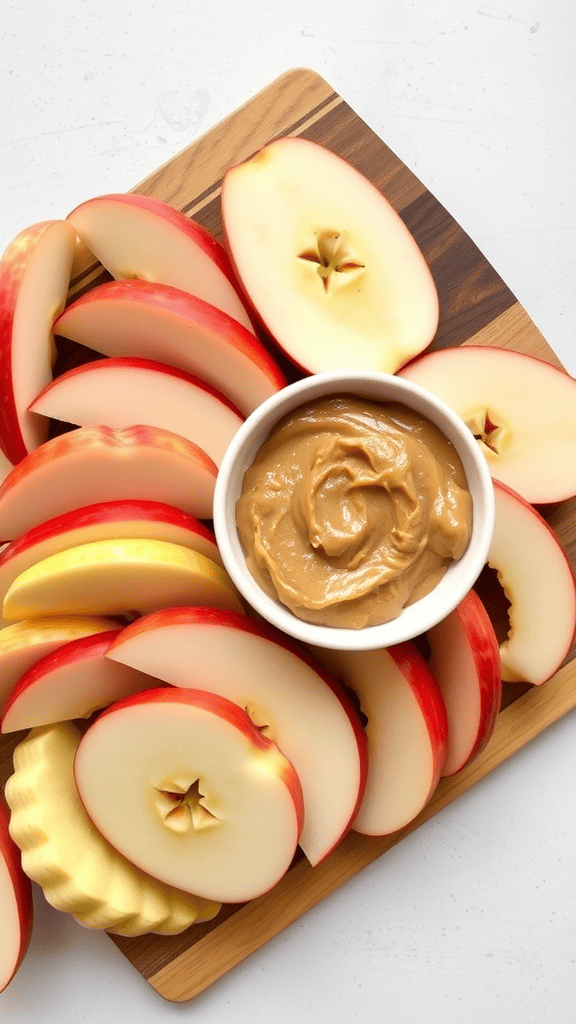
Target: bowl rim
pixel 415 618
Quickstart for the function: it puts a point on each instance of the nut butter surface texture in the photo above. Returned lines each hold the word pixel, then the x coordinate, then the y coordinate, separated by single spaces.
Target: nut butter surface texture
pixel 353 509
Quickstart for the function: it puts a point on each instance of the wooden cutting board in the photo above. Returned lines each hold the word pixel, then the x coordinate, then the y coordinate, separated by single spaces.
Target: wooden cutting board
pixel 476 307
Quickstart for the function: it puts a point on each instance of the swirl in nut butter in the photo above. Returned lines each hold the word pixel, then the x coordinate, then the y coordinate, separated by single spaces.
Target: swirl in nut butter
pixel 353 509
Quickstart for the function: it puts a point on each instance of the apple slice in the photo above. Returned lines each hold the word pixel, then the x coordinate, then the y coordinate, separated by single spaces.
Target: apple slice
pixel 135 236
pixel 71 470
pixel 407 731
pixel 34 279
pixel 105 520
pixel 154 321
pixel 116 577
pixel 329 266
pixel 72 682
pixel 120 392
pixel 521 409
pixel 287 694
pixel 24 643
pixel 16 911
pixel 183 784
pixel 465 661
pixel 80 873
pixel 538 580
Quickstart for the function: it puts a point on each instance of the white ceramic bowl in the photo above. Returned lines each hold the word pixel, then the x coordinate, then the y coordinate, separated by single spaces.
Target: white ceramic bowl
pixel 415 618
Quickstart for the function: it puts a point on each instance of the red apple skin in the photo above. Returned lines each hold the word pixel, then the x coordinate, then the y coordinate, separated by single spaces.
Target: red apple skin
pixel 100 439
pixel 225 709
pixel 530 481
pixel 425 689
pixel 477 628
pixel 195 231
pixel 173 302
pixel 12 268
pixel 205 615
pixel 21 884
pixel 76 650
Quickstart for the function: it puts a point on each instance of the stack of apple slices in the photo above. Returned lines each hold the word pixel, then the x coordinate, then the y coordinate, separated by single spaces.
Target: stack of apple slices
pixel 179 751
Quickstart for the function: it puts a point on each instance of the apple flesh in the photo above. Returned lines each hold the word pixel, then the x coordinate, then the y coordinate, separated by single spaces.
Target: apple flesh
pixel 73 681
pixel 538 580
pixel 465 662
pixel 34 279
pixel 16 911
pixel 118 577
pixel 183 784
pixel 327 263
pixel 138 462
pixel 288 696
pixel 123 391
pixel 24 643
pixel 521 409
pixel 407 731
pixel 135 236
pixel 79 872
pixel 154 321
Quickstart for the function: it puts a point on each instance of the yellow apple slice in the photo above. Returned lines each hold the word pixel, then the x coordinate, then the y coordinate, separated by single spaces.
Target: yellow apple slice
pixel 183 784
pixel 62 851
pixel 329 266
pixel 113 577
pixel 22 644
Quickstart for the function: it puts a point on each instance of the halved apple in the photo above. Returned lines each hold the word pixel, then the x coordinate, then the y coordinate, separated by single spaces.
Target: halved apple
pixel 98 463
pixel 184 785
pixel 327 263
pixel 80 873
pixel 135 236
pixel 538 580
pixel 105 520
pixel 154 321
pixel 288 696
pixel 407 731
pixel 521 409
pixel 16 911
pixel 123 391
pixel 465 662
pixel 73 681
pixel 24 643
pixel 34 279
pixel 117 577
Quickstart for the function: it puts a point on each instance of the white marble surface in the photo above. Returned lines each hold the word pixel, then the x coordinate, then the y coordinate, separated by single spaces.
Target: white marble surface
pixel 474 917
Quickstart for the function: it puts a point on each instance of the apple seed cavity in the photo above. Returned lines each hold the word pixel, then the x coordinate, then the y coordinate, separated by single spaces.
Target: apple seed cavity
pixel 179 804
pixel 330 256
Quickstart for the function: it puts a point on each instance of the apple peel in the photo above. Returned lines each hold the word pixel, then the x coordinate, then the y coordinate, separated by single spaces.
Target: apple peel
pixel 118 577
pixel 326 262
pixel 183 784
pixel 287 694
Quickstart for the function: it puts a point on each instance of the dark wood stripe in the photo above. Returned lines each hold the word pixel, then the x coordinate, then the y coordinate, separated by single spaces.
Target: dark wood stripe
pixel 470 291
